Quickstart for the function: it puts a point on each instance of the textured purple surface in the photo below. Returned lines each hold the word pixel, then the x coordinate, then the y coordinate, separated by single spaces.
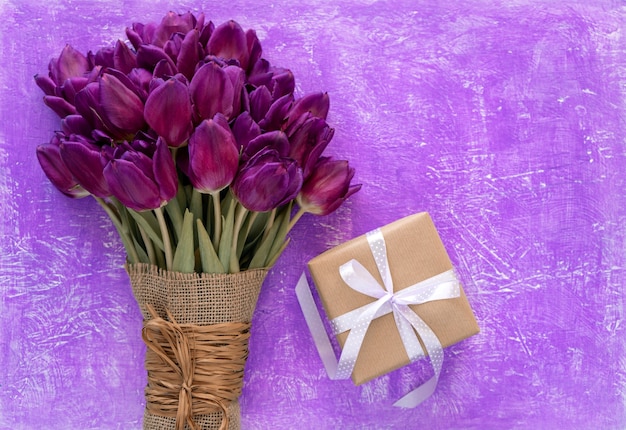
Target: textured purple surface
pixel 504 120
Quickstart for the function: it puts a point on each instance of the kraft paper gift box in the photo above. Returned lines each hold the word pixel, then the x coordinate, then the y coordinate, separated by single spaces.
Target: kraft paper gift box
pixel 415 253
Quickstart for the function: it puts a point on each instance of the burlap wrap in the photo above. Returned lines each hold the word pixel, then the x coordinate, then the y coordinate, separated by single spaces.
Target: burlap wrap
pixel 192 299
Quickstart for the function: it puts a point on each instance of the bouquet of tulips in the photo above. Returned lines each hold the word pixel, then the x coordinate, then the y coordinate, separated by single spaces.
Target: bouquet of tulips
pixel 197 149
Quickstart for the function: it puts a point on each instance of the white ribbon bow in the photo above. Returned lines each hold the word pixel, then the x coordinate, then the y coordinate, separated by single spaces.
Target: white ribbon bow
pixel 439 287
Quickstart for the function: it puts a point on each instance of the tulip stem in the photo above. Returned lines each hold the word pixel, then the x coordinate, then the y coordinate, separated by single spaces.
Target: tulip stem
pixel 295 219
pixel 166 238
pixel 122 230
pixel 217 224
pixel 148 243
pixel 269 224
pixel 234 258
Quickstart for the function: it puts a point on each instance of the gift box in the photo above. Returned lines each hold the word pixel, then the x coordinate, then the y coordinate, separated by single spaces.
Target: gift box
pixel 415 253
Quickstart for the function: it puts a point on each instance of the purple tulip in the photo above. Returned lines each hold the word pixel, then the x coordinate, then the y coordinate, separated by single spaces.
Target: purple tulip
pixel 259 73
pixel 254 48
pixel 315 103
pixel 47 85
pixel 142 175
pixel 103 57
pixel 189 54
pixel 267 181
pixel 283 83
pixel 276 140
pixel 120 106
pixel 275 116
pixel 170 24
pixel 69 64
pixel 148 56
pixel 260 102
pixel 84 160
pixel 206 32
pixel 213 156
pixel 75 124
pixel 59 105
pixel 228 41
pixel 327 187
pixel 309 140
pixel 124 59
pixel 49 156
pixel 71 86
pixel 141 79
pixel 211 92
pixel 168 112
pixel 237 78
pixel 245 129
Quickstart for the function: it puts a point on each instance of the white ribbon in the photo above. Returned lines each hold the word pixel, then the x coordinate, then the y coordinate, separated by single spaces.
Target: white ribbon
pixel 439 287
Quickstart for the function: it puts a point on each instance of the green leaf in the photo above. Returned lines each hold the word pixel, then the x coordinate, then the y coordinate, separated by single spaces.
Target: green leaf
pixel 282 233
pixel 184 259
pixel 227 237
pixel 150 225
pixel 280 251
pixel 261 253
pixel 176 216
pixel 210 261
pixel 143 256
pixel 181 196
pixel 245 230
pixel 258 226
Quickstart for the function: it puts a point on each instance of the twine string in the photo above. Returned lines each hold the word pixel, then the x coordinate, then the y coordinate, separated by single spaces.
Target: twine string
pixel 193 370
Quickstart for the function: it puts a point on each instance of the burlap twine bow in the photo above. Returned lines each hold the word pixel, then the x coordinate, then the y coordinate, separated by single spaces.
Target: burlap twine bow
pixel 192 369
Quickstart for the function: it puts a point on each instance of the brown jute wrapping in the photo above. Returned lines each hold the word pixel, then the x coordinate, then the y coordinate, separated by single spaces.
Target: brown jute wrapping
pixel 180 302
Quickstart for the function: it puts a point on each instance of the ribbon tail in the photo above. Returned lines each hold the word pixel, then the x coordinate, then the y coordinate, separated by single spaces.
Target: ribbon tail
pixel 316 327
pixel 435 354
pixel 418 395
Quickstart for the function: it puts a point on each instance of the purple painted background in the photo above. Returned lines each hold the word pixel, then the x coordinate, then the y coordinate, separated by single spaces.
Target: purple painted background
pixel 505 120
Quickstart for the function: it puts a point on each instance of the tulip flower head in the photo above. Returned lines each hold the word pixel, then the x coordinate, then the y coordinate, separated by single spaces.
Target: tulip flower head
pixel 186 108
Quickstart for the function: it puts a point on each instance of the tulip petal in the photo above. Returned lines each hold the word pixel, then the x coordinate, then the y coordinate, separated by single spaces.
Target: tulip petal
pixel 245 129
pixel 254 48
pixel 316 103
pixel 149 55
pixel 120 105
pixel 276 115
pixel 213 157
pixel 131 186
pixel 211 92
pixel 170 24
pixel 60 106
pixel 229 41
pixel 267 181
pixel 84 161
pixel 104 57
pixel 284 83
pixel 260 102
pixel 189 54
pixel 237 78
pixel 46 84
pixel 168 112
pixel 52 164
pixel 75 124
pixel 259 74
pixel 164 70
pixel 134 38
pixel 70 63
pixel 124 59
pixel 327 187
pixel 141 80
pixel 164 171
pixel 72 86
pixel 276 140
pixel 206 32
